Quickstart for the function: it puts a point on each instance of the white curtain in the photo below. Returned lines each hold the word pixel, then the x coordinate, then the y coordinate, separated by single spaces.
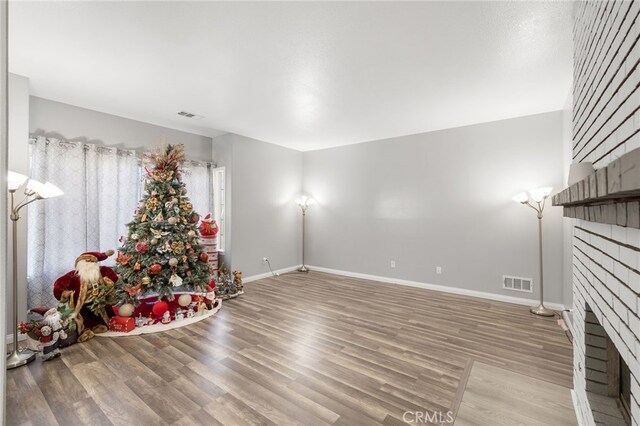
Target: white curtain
pixel 199 181
pixel 102 187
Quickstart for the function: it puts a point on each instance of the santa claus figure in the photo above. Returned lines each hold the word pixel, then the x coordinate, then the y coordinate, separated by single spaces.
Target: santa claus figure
pixel 90 291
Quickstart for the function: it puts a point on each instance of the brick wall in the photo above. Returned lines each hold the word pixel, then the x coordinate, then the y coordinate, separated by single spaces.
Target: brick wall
pixel 606 125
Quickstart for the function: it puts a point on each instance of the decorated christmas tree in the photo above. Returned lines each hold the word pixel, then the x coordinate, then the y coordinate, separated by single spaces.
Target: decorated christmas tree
pixel 162 252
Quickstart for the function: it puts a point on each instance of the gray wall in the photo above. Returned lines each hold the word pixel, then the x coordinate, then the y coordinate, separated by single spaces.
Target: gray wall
pixel 263 181
pixel 55 119
pixel 440 199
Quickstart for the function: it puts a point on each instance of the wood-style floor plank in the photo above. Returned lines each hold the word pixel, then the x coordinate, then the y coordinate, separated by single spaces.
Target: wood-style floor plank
pixel 307 349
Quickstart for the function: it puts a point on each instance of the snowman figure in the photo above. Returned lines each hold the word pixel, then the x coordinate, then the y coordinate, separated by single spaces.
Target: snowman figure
pixel 179 314
pixel 190 313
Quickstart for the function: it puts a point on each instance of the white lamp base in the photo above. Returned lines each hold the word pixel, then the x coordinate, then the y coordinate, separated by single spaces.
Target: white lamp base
pixel 542 311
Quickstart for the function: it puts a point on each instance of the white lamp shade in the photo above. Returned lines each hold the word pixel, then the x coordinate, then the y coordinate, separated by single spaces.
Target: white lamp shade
pixel 304 201
pixel 15 180
pixel 49 190
pixel 540 194
pixel 521 197
pixel 579 171
pixel 34 186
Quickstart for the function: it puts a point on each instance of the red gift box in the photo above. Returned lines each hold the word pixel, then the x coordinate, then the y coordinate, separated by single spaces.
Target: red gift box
pixel 122 324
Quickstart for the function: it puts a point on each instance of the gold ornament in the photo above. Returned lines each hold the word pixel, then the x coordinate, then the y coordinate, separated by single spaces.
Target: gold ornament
pixel 152 203
pixel 177 247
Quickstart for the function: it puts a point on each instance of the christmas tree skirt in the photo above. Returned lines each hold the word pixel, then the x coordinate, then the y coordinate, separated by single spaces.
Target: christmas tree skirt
pixel 155 328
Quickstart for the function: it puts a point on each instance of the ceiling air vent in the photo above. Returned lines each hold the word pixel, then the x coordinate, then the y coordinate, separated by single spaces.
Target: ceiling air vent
pixel 517 283
pixel 190 115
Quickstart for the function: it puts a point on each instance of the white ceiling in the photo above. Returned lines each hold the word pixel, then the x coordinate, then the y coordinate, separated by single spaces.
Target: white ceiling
pixel 299 74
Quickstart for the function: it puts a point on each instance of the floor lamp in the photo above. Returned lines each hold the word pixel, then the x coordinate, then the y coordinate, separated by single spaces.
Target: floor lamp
pixel 537 196
pixel 304 202
pixel 33 191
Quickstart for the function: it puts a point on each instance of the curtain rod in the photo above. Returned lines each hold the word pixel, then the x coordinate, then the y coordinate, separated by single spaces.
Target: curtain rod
pixel 139 154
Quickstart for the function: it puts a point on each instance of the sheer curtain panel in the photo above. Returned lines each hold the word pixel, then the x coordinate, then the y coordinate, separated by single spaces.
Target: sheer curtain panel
pixel 100 194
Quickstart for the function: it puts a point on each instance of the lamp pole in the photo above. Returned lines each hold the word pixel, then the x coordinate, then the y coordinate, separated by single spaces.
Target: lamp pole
pixel 17 357
pixel 539 197
pixel 541 309
pixel 304 207
pixel 304 202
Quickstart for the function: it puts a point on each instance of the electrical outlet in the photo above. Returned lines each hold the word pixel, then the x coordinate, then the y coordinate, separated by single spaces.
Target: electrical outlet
pixel 438 269
pixel 393 263
pixel 265 260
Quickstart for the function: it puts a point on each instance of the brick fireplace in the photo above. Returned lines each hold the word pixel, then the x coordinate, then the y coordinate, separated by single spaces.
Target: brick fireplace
pixel 607 376
pixel 605 208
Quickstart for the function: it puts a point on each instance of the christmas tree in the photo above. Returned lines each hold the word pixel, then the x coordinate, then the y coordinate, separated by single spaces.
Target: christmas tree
pixel 162 252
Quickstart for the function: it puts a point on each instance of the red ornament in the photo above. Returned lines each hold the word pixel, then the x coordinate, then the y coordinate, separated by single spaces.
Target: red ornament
pixel 204 257
pixel 194 217
pixel 142 247
pixel 155 269
pixel 160 308
pixel 212 284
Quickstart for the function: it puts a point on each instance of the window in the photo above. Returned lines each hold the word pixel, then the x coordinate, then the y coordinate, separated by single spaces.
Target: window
pixel 219 203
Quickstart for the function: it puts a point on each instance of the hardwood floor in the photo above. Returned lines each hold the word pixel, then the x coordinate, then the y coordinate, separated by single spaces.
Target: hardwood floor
pixel 492 394
pixel 298 349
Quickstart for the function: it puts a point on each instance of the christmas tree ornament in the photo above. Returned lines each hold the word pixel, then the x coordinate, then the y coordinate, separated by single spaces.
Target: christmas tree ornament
pixel 203 257
pixel 194 217
pixel 126 310
pixel 173 262
pixel 142 247
pixel 137 266
pixel 160 308
pixel 159 218
pixel 134 236
pixel 184 300
pixel 158 234
pixel 172 220
pixel 146 280
pixel 191 233
pixel 132 291
pixel 155 269
pixel 153 241
pixel 175 280
pixel 123 259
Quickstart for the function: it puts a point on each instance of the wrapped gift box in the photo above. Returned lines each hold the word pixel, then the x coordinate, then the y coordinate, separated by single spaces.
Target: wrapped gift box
pixel 122 324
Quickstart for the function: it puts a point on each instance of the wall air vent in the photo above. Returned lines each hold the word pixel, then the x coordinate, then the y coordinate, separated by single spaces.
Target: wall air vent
pixel 189 115
pixel 517 283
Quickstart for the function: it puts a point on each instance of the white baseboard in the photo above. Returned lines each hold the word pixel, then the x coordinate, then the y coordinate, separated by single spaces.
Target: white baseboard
pixel 445 289
pixel 268 274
